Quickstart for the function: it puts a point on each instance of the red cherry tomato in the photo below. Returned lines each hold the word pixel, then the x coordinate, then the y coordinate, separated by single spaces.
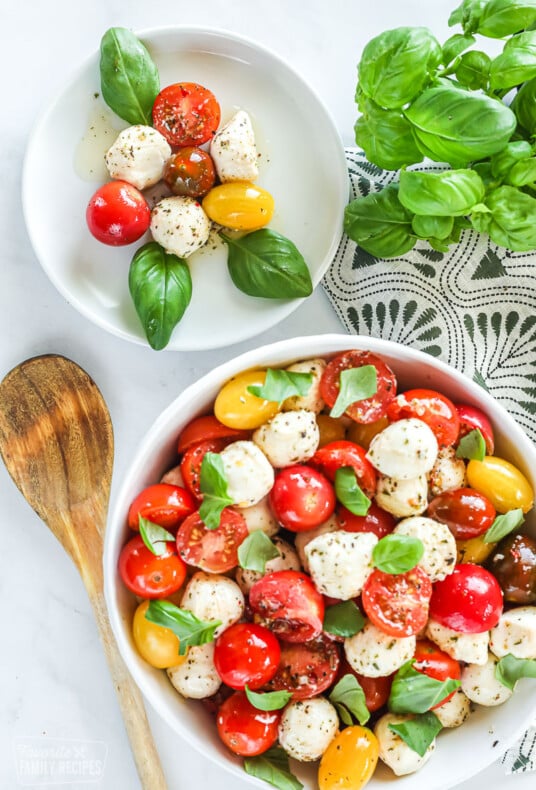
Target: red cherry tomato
pixel 246 654
pixel 437 411
pixel 118 214
pixel 192 460
pixel 149 575
pixel 190 172
pixel 212 550
pixel 245 730
pixel 302 498
pixel 343 453
pixel 469 600
pixel 288 604
pixel 206 428
pixel 163 504
pixel 397 603
pixel 369 409
pixel 466 512
pixel 376 690
pixel 186 114
pixel 471 418
pixel 378 521
pixel 306 669
pixel 432 661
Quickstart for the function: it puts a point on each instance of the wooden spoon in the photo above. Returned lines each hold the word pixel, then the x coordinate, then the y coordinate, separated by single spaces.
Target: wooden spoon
pixel 56 441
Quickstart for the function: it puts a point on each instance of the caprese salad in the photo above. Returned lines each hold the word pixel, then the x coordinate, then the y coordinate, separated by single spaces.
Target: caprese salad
pixel 335 568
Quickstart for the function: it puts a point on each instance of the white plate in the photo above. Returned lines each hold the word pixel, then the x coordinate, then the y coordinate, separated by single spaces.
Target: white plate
pixel 302 164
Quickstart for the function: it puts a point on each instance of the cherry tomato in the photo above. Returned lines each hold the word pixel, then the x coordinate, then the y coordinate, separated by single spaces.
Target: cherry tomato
pixel 376 690
pixel 148 575
pixel 397 603
pixel 502 483
pixel 288 604
pixel 186 114
pixel 330 429
pixel 474 550
pixel 466 513
pixel 239 205
pixel 246 653
pixel 469 600
pixel 514 567
pixel 190 172
pixel 471 418
pixel 306 669
pixel 245 730
pixel 237 408
pixel 437 411
pixel 157 645
pixel 432 661
pixel 369 409
pixel 201 429
pixel 363 434
pixel 212 550
pixel 192 460
pixel 350 760
pixel 118 214
pixel 377 521
pixel 301 498
pixel 344 453
pixel 163 504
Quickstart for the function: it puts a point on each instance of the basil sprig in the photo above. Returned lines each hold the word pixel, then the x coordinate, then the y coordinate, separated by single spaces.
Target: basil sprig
pixel 397 553
pixel 349 492
pixel 189 629
pixel 472 446
pixel 154 536
pixel 349 699
pixel 419 732
pixel 503 525
pixel 270 700
pixel 343 619
pixel 213 485
pixel 282 384
pixel 256 550
pixel 415 692
pixel 511 669
pixel 355 384
pixel 272 766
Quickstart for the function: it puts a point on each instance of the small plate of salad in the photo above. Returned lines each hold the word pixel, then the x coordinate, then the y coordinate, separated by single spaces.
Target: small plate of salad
pixel 203 186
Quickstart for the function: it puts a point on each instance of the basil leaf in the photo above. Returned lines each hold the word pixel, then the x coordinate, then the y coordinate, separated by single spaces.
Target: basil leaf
pixel 355 384
pixel 255 551
pixel 264 263
pixel 425 226
pixel 213 485
pixel 472 446
pixel 473 70
pixel 510 221
pixel 503 525
pixel 271 700
pixel 415 692
pixel 343 619
pixel 447 194
pixel 154 536
pixel 502 18
pixel 380 224
pixel 522 173
pixel 161 288
pixel 282 384
pixel 468 15
pixel 419 732
pixel 516 63
pixel 189 629
pixel 454 46
pixel 272 766
pixel 502 163
pixel 524 105
pixel 349 492
pixel 397 553
pixel 349 699
pixel 385 136
pixel 511 669
pixel 129 78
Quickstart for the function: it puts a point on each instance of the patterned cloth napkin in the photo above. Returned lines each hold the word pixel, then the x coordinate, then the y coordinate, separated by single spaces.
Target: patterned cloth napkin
pixel 474 307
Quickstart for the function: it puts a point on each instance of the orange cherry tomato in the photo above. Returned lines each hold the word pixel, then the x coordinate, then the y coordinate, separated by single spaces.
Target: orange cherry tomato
pixel 502 483
pixel 349 761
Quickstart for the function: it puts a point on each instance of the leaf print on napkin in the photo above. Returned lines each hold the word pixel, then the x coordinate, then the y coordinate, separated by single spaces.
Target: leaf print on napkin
pixel 489 267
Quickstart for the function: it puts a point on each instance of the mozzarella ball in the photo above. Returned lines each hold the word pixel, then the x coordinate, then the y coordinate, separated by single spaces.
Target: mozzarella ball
pixel 373 653
pixel 341 562
pixel 196 678
pixel 287 561
pixel 480 684
pixel 448 472
pixel 313 401
pixel 138 156
pixel 233 150
pixel 303 538
pixel 439 556
pixel 260 516
pixel 515 633
pixel 455 711
pixel 471 648
pixel 173 477
pixel 307 727
pixel 249 473
pixel 213 597
pixel 405 449
pixel 180 225
pixel 289 438
pixel 394 752
pixel 402 498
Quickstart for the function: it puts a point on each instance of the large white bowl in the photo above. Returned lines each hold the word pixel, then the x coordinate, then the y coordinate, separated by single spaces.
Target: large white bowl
pixel 460 753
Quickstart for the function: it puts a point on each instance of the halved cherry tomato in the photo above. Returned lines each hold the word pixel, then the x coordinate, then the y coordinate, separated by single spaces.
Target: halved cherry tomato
pixel 246 654
pixel 190 172
pixel 212 550
pixel 377 521
pixel 163 504
pixel 369 409
pixel 301 498
pixel 432 661
pixel 350 760
pixel 437 411
pixel 237 407
pixel 470 600
pixel 192 460
pixel 201 429
pixel 502 483
pixel 397 603
pixel 147 574
pixel 470 418
pixel 306 669
pixel 186 114
pixel 118 214
pixel 245 730
pixel 288 603
pixel 156 644
pixel 466 512
pixel 376 690
pixel 343 453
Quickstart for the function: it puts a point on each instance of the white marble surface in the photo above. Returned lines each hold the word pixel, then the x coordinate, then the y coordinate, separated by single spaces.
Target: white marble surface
pixel 54 682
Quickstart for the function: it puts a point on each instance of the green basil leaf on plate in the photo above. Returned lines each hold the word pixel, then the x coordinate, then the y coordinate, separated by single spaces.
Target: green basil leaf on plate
pixel 503 525
pixel 415 692
pixel 418 733
pixel 343 619
pixel 349 699
pixel 449 193
pixel 380 224
pixel 511 669
pixel 154 536
pixel 213 485
pixel 349 492
pixel 273 767
pixel 270 700
pixel 189 629
pixel 355 384
pixel 472 446
pixel 256 550
pixel 397 553
pixel 282 384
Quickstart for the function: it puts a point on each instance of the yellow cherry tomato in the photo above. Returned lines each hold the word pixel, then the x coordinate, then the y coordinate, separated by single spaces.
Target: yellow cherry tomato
pixel 157 645
pixel 474 550
pixel 349 761
pixel 238 408
pixel 239 205
pixel 331 429
pixel 501 482
pixel 363 434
